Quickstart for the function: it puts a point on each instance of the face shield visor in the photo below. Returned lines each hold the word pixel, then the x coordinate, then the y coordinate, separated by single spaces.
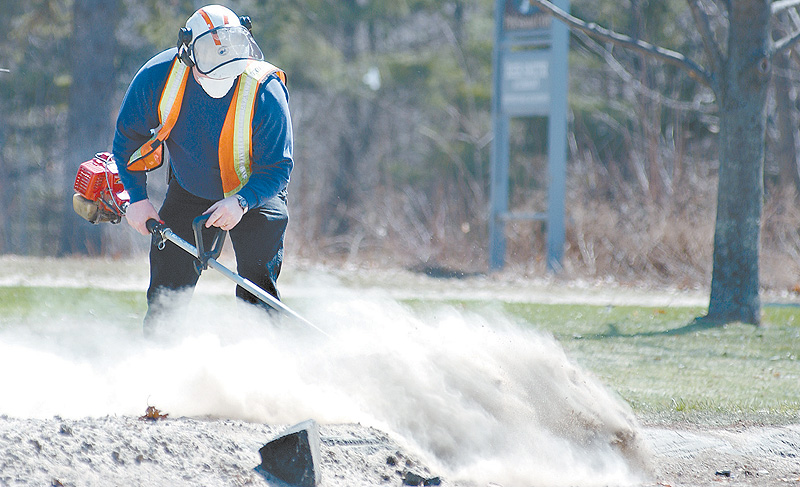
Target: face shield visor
pixel 225 51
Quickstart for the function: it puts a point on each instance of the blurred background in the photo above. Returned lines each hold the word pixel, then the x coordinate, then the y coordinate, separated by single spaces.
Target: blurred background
pixel 391 107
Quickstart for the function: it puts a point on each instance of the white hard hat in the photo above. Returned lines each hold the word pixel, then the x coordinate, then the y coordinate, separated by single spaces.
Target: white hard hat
pixel 217 43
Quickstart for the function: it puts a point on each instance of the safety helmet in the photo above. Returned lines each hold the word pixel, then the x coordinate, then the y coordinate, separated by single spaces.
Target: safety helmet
pixel 217 42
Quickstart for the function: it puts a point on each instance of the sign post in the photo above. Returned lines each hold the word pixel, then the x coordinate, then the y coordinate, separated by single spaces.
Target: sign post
pixel 530 79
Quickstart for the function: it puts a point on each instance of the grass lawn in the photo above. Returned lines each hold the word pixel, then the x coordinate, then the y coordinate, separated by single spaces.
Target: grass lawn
pixel 667 367
pixel 28 305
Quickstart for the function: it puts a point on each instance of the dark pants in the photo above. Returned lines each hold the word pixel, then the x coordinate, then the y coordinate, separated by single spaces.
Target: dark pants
pixel 257 242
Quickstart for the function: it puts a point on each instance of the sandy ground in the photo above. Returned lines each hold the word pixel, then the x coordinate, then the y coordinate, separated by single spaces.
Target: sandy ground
pixel 747 456
pixel 126 451
pixel 448 397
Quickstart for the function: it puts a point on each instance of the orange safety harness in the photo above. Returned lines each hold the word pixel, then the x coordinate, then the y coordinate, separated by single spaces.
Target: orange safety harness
pixel 235 147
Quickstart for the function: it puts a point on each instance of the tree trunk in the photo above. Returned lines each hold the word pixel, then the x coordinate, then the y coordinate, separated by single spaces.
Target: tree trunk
pixel 742 100
pixel 5 193
pixel 344 197
pixel 89 119
pixel 649 113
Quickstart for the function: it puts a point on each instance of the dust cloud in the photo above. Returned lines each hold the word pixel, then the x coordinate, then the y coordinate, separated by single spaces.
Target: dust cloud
pixel 476 395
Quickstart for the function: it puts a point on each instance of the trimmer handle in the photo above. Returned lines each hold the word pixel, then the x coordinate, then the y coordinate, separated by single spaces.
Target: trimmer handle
pixel 160 233
pixel 157 229
pixel 204 254
pixel 153 225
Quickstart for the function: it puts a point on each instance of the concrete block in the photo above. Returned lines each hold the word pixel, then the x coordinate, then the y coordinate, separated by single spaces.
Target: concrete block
pixel 292 458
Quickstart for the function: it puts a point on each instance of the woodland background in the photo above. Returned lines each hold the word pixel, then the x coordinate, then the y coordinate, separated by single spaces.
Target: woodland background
pixel 391 109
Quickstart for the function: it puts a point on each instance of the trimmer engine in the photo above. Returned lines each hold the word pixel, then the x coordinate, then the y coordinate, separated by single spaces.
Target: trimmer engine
pixel 100 195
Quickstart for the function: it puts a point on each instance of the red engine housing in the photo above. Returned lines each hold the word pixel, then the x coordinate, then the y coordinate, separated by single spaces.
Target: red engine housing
pixel 98 181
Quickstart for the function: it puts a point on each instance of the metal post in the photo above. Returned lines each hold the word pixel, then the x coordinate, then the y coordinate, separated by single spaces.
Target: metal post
pixel 499 194
pixel 557 145
pixel 499 156
pixel 529 79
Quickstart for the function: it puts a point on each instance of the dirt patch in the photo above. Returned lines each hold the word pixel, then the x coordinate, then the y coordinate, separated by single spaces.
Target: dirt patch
pixel 184 451
pixel 746 456
pixel 128 451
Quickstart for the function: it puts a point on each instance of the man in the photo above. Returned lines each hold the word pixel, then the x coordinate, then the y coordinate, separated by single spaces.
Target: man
pixel 223 114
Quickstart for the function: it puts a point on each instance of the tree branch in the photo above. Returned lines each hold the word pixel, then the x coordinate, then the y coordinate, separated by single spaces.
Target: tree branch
pixel 781 5
pixel 619 69
pixel 694 70
pixel 704 27
pixel 785 43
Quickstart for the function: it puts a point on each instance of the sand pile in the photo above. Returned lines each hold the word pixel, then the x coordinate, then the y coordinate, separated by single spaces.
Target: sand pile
pixel 466 398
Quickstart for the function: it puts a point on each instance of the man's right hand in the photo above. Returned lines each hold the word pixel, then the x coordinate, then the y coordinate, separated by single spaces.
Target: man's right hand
pixel 138 213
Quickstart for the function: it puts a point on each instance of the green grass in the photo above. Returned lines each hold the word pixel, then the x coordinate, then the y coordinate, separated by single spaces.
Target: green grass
pixel 669 367
pixel 664 364
pixel 29 306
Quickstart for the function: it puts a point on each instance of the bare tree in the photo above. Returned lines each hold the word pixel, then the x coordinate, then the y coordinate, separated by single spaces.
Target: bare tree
pixel 738 69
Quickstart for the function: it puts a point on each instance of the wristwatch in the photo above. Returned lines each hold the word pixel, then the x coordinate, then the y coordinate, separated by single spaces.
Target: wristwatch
pixel 242 203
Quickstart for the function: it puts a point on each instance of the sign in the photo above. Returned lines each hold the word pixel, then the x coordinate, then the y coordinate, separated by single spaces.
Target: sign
pixel 525 83
pixel 530 79
pixel 521 15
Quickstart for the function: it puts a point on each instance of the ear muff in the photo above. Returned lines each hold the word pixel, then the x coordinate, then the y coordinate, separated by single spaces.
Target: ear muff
pixel 184 46
pixel 246 22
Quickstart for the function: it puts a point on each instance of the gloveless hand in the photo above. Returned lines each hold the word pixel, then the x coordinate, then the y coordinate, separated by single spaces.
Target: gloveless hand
pixel 138 213
pixel 225 213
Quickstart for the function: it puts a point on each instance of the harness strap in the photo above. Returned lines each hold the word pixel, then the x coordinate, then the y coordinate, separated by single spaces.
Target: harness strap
pixel 235 142
pixel 151 154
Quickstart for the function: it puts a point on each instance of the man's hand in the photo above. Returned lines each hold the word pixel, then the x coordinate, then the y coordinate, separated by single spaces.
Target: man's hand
pixel 138 213
pixel 225 213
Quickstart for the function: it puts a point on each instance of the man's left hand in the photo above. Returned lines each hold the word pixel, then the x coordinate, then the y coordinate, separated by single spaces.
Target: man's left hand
pixel 225 213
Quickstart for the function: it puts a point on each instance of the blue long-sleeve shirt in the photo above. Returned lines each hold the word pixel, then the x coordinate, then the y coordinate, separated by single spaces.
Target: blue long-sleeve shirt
pixel 194 140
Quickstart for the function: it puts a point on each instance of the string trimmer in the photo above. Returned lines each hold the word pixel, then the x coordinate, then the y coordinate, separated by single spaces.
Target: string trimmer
pixel 100 197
